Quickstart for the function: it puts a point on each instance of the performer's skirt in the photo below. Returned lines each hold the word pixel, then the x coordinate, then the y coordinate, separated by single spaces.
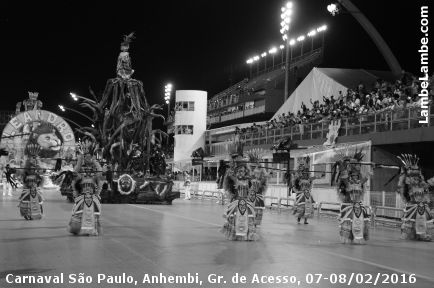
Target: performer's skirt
pixel 240 226
pixel 85 219
pixel 417 222
pixel 354 223
pixel 31 210
pixel 259 209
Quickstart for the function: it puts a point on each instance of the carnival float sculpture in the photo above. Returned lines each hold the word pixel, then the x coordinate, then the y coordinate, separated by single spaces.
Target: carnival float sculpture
pixel 86 210
pixel 122 129
pixel 302 186
pixel 354 217
pixel 417 222
pixel 38 128
pixel 31 199
pixel 29 104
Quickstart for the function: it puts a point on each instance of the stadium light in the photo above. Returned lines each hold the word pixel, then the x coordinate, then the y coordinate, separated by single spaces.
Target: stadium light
pixel 272 51
pixel 311 33
pixel 292 42
pixel 322 28
pixel 333 8
pixel 300 38
pixel 61 108
pixel 286 19
pixel 167 96
pixel 284 30
pixel 74 96
pixel 281 47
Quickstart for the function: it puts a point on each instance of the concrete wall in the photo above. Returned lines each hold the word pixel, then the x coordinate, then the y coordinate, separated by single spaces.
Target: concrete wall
pixel 186 144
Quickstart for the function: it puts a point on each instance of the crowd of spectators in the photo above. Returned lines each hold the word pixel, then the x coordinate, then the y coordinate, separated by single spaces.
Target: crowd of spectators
pixel 383 96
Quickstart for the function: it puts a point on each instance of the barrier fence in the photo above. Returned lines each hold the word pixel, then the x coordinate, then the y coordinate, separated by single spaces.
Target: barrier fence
pixel 389 120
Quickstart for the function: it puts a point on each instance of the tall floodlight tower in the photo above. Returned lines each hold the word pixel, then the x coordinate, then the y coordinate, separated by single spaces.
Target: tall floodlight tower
pixel 284 30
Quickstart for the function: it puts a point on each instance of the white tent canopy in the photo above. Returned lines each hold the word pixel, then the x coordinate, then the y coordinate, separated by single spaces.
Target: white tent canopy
pixel 326 82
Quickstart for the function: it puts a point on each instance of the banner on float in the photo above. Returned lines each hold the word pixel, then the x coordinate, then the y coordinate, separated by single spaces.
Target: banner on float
pixel 49 131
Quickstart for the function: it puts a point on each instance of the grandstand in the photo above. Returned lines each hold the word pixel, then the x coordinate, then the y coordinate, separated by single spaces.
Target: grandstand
pixel 258 99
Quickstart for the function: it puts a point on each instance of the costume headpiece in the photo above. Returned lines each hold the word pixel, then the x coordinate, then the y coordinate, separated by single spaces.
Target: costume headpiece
pixel 359 155
pixel 33 95
pixel 255 155
pixel 33 149
pixel 87 146
pixel 409 160
pixel 87 183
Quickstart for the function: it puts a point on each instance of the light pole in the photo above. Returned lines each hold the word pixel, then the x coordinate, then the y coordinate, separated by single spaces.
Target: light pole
pixel 311 34
pixel 281 47
pixel 286 19
pixel 291 43
pixel 167 96
pixel 250 62
pixel 264 55
pixel 301 39
pixel 272 51
pixel 256 59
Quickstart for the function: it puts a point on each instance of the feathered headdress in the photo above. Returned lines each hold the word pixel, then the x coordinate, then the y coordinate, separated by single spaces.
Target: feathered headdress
pixel 255 155
pixel 33 149
pixel 359 155
pixel 409 160
pixel 88 146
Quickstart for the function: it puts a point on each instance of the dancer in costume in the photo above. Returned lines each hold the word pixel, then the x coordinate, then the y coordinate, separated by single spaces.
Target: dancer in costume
pixel 257 185
pixel 8 182
pixel 221 172
pixel 65 178
pixel 354 217
pixel 417 222
pixel 187 185
pixel 240 214
pixel 303 189
pixel 31 198
pixel 86 211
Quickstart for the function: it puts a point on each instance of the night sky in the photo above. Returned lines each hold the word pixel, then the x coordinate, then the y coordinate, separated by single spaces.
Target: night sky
pixel 55 47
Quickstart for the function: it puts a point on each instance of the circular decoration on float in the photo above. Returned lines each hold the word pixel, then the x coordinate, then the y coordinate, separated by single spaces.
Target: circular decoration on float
pixel 50 133
pixel 126 184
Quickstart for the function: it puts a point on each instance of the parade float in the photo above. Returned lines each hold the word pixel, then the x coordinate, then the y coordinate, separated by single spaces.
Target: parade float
pixel 133 163
pixel 50 137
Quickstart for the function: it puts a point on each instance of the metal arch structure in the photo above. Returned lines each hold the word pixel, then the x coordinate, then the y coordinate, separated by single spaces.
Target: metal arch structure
pixel 381 44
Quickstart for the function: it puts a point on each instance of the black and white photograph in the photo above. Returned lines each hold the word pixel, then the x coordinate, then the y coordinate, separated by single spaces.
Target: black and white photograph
pixel 216 144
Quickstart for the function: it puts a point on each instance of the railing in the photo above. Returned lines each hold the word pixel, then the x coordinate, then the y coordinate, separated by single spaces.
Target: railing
pixel 295 61
pixel 228 91
pixel 390 120
pixel 299 61
pixel 236 115
pixel 383 219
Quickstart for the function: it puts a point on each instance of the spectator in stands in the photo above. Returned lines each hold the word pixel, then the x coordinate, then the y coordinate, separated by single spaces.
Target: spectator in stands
pixel 383 96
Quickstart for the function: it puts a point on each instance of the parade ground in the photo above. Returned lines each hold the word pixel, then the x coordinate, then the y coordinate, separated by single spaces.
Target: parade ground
pixel 140 240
